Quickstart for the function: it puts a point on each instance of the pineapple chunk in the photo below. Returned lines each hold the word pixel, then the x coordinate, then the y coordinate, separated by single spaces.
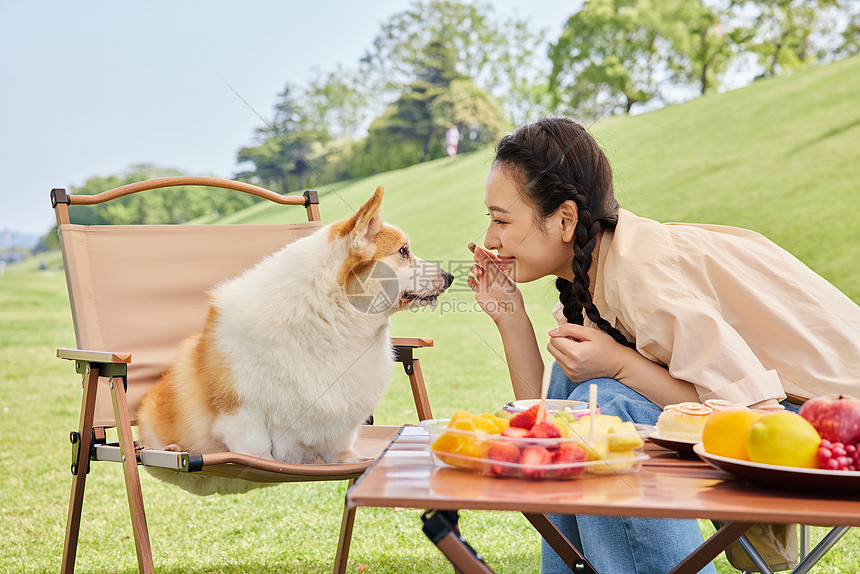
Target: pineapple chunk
pixel 562 424
pixel 624 436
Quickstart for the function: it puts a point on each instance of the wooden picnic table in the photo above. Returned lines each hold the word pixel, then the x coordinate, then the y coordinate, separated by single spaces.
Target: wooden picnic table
pixel 667 486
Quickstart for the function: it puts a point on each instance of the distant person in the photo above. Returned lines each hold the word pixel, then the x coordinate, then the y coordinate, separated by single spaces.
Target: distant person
pixel 651 313
pixel 452 139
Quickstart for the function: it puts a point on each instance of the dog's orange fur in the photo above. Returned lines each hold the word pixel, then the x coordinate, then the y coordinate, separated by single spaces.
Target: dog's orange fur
pixel 362 218
pixel 213 388
pixel 388 240
pixel 213 366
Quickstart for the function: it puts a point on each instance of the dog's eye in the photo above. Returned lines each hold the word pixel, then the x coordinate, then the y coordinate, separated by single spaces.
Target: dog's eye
pixel 404 252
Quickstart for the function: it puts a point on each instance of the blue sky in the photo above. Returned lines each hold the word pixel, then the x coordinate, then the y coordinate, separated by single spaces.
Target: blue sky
pixel 90 88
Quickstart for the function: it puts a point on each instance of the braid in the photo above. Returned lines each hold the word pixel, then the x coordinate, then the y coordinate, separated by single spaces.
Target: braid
pixel 570 306
pixel 585 238
pixel 555 160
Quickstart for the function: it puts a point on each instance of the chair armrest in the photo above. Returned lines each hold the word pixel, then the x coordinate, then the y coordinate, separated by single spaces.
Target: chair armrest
pixel 101 357
pixel 412 341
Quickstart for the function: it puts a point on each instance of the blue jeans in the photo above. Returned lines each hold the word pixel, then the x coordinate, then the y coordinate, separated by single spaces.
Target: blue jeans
pixel 620 544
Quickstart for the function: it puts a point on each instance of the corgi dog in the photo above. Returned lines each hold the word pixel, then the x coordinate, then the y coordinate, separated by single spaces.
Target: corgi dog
pixel 294 354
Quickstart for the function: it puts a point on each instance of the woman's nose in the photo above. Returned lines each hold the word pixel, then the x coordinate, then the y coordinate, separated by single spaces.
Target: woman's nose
pixel 491 239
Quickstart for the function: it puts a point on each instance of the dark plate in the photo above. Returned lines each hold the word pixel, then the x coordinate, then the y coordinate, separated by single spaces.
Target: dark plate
pixel 684 448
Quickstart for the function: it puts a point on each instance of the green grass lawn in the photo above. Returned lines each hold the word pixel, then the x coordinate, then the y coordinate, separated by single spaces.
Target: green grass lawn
pixel 779 156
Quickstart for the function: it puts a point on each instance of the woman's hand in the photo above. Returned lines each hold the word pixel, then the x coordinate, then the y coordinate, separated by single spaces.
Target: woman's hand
pixel 584 353
pixel 496 293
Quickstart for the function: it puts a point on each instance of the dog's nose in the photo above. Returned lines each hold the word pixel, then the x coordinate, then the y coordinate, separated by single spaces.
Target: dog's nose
pixel 449 278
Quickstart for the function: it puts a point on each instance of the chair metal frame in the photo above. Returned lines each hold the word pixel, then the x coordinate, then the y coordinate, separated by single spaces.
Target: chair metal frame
pixel 89 440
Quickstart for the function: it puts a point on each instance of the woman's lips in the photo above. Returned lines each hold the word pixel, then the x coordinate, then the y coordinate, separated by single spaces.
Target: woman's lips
pixel 505 263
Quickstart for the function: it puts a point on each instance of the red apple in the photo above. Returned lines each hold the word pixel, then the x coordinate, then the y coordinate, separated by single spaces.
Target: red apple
pixel 835 417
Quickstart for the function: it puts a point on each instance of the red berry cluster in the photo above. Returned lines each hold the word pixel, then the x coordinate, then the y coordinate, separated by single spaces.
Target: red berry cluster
pixel 838 456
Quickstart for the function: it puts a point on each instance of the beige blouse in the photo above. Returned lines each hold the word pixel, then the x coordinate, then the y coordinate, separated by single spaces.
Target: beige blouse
pixel 727 310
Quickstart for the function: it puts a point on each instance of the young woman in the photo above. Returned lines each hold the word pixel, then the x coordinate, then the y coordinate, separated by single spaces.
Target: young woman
pixel 652 313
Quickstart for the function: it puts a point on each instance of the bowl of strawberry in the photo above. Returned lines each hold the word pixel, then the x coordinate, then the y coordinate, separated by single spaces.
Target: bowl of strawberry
pixel 537 445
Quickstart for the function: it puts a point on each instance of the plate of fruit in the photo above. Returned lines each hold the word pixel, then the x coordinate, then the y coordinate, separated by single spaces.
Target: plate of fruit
pixel 783 476
pixel 535 445
pixel 819 447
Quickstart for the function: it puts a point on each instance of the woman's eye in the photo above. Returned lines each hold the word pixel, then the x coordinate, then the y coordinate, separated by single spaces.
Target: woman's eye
pixel 404 252
pixel 495 220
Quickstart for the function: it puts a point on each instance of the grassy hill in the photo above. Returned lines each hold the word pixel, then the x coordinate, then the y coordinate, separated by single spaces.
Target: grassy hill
pixel 779 156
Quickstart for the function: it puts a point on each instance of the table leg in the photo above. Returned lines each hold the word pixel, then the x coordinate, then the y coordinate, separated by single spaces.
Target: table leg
pixel 559 542
pixel 440 526
pixel 711 548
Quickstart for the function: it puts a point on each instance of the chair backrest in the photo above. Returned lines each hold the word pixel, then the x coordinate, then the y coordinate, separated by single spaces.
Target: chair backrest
pixel 142 289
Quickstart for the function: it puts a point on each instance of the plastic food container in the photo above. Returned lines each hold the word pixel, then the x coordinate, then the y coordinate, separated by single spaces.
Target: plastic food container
pixel 576 408
pixel 478 452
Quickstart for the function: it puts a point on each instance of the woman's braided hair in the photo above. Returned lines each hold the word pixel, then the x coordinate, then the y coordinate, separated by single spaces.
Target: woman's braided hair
pixel 554 160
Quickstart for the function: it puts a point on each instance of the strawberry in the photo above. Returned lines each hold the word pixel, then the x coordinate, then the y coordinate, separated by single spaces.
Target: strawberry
pixel 545 429
pixel 533 457
pixel 569 454
pixel 515 432
pixel 528 419
pixel 503 451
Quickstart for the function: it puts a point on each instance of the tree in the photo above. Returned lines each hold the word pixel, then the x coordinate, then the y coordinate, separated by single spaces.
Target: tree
pixel 517 74
pixel 502 58
pixel 607 57
pixel 337 104
pixel 699 50
pixel 412 128
pixel 849 36
pixel 478 116
pixel 398 53
pixel 849 41
pixel 783 33
pixel 281 158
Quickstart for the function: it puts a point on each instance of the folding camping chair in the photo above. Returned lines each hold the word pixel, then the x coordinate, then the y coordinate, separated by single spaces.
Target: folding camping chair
pixel 136 291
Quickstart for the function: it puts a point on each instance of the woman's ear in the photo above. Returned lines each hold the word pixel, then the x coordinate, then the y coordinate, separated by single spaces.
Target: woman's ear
pixel 568 217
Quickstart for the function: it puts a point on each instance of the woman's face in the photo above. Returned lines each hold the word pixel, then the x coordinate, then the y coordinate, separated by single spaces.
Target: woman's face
pixel 530 252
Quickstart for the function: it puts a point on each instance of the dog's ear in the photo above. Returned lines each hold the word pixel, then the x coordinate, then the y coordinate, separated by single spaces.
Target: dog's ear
pixel 365 225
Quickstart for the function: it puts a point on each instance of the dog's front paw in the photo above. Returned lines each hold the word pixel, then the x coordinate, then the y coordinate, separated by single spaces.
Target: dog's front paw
pixel 352 457
pixel 357 458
